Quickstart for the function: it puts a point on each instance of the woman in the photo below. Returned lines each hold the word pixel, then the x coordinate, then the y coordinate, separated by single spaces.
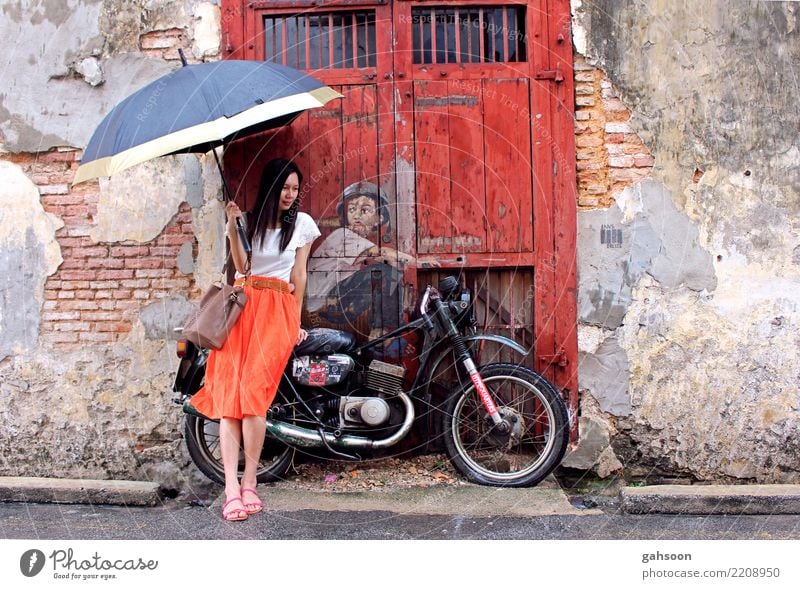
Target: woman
pixel 242 377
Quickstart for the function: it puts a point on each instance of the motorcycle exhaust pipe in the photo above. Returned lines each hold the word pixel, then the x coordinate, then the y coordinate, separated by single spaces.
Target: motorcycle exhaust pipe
pixel 307 438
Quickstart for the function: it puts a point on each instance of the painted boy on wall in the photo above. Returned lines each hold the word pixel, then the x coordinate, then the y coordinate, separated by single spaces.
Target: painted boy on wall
pixel 343 280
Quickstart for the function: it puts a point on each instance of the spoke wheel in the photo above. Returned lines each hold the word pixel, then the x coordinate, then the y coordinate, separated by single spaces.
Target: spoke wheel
pixel 533 441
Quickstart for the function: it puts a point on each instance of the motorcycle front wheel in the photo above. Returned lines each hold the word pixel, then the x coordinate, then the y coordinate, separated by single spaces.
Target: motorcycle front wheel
pixel 520 457
pixel 202 441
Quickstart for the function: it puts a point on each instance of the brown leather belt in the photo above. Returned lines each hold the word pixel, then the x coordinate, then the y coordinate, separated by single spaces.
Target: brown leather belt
pixel 263 282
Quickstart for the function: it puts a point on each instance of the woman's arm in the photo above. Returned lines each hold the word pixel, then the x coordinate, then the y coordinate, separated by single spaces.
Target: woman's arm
pixel 237 249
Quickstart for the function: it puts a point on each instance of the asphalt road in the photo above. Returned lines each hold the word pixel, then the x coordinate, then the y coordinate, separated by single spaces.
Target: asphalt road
pixel 174 521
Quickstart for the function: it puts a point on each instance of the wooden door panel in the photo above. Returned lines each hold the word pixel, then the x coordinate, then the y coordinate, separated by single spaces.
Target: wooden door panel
pixel 467 167
pixel 432 140
pixel 507 144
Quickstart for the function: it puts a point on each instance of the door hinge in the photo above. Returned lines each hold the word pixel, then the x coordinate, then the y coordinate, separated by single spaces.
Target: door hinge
pixel 554 75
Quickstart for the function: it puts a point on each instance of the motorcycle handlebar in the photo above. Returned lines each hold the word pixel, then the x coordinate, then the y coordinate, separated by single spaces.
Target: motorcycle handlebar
pixel 423 307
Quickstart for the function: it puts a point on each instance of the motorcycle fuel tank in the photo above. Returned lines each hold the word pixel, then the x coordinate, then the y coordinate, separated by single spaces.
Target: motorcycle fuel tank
pixel 320 371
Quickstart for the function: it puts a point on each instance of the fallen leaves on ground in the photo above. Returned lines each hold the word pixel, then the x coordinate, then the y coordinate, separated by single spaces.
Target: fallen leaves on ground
pixel 381 475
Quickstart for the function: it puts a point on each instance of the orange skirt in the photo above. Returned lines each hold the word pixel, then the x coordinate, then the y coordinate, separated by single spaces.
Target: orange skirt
pixel 242 377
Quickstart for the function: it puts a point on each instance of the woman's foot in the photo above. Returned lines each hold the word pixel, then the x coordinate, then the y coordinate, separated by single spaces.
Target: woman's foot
pixel 234 514
pixel 253 505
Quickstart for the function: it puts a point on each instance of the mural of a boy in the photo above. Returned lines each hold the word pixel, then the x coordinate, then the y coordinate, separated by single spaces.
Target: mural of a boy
pixel 340 286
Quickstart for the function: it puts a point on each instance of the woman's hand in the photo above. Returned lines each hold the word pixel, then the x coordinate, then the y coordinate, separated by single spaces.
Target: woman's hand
pixel 301 337
pixel 232 212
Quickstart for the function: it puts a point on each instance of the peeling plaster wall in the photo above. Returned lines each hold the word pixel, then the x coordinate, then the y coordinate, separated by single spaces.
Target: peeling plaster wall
pixel 86 338
pixel 689 335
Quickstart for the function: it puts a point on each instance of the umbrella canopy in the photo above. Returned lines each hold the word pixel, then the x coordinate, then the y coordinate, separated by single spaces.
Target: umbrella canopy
pixel 197 108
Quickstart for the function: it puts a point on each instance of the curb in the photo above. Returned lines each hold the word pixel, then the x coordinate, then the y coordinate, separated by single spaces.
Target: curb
pixel 88 491
pixel 712 499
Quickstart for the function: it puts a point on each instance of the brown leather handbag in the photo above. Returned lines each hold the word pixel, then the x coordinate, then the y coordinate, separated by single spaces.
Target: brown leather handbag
pixel 209 325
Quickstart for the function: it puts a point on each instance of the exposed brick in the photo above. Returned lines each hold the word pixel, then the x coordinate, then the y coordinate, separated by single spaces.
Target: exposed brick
pixel 172 239
pixel 641 161
pixel 84 294
pixel 77 305
pixel 107 263
pixel 141 294
pixel 89 252
pixel 615 138
pixel 70 326
pixel 56 156
pixel 76 275
pixel 588 141
pixel 65 294
pixel 585 101
pixel 129 251
pixel 583 116
pixel 60 316
pixel 99 316
pixel 54 189
pixel 143 263
pixel 67 285
pixel 106 305
pixel 625 161
pixel 103 294
pixel 159 273
pixel 129 305
pixel 170 251
pixel 160 39
pixel 116 327
pixel 122 293
pixel 104 284
pixel 135 283
pixel 113 274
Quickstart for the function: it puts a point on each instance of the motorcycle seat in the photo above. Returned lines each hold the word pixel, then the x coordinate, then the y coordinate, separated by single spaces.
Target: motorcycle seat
pixel 321 341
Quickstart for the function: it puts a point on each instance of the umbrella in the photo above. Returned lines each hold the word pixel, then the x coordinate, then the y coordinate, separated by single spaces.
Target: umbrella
pixel 197 108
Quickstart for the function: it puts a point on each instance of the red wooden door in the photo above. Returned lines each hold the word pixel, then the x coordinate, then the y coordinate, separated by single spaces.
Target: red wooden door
pixel 457 128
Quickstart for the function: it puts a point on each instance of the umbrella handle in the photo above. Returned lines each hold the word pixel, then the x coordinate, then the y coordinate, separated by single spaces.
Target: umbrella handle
pixel 243 237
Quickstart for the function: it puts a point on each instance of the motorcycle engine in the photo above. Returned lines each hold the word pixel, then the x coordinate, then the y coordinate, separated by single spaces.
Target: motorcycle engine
pixel 370 406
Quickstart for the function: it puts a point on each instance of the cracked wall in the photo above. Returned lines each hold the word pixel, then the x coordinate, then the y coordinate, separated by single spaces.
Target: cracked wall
pixel 689 286
pixel 96 276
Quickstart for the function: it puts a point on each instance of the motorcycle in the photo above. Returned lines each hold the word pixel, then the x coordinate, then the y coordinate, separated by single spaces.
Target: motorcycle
pixel 502 424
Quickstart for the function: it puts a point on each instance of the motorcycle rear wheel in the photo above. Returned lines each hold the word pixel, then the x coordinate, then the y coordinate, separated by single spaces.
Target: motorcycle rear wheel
pixel 202 441
pixel 541 428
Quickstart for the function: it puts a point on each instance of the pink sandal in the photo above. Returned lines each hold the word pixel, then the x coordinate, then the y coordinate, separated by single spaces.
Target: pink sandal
pixel 229 516
pixel 258 504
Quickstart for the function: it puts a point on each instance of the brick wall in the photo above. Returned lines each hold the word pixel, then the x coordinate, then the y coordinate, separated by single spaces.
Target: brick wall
pixel 97 292
pixel 610 155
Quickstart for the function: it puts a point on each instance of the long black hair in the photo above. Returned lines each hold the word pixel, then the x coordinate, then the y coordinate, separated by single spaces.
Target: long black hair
pixel 267 210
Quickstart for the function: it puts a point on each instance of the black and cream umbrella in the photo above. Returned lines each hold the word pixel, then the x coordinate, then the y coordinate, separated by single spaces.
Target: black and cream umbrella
pixel 197 108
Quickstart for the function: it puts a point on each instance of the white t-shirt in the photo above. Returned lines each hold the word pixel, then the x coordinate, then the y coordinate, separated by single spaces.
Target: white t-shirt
pixel 268 260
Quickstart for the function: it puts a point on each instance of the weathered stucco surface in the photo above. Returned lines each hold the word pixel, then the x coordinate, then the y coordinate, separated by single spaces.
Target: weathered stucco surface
pixel 702 299
pixel 100 410
pixel 29 253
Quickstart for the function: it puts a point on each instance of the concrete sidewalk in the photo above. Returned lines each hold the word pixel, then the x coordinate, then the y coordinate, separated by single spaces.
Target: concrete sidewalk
pixel 467 499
